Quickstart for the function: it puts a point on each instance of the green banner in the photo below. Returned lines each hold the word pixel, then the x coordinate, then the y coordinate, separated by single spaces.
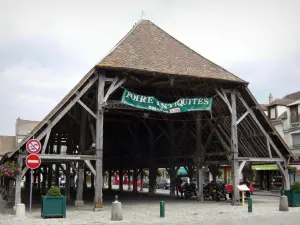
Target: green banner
pixel 153 104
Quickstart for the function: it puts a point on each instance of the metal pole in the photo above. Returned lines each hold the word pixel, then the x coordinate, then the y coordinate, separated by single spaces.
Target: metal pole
pixel 250 205
pixel 162 209
pixel 30 197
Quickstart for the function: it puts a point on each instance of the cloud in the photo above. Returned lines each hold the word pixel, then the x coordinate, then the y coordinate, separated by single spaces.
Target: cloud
pixel 29 90
pixel 46 47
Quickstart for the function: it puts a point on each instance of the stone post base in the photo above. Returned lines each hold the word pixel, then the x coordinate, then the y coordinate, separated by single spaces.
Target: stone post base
pixel 79 203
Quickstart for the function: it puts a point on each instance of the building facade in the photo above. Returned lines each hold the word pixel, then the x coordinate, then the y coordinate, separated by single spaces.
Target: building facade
pixel 7 143
pixel 23 128
pixel 284 114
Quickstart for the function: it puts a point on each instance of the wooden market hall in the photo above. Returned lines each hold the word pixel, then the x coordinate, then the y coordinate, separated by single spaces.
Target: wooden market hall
pixel 99 133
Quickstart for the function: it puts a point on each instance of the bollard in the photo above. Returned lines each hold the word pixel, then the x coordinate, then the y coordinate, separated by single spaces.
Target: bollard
pixel 249 204
pixel 162 209
pixel 283 204
pixel 116 210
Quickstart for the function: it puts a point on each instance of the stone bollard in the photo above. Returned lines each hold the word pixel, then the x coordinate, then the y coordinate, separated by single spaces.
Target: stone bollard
pixel 116 210
pixel 283 204
pixel 20 210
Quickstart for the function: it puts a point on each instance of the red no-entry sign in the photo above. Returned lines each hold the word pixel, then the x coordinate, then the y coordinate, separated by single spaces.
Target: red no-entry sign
pixel 33 146
pixel 33 161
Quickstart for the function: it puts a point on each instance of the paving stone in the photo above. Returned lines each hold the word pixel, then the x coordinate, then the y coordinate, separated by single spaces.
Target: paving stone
pixel 177 212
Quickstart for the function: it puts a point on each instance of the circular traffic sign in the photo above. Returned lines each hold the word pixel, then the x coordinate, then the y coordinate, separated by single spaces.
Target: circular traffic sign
pixel 33 161
pixel 33 146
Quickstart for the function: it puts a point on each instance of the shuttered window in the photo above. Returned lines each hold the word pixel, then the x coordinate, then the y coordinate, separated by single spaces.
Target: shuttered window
pixel 296 139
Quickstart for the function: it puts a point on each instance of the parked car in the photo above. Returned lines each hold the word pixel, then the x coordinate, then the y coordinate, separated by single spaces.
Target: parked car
pixel 164 183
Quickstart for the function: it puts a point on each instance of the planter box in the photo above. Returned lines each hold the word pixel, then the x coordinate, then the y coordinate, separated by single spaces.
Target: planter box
pixel 53 206
pixel 293 197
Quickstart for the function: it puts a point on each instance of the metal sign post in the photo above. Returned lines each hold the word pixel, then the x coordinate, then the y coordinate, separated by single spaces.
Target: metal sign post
pixel 33 161
pixel 30 196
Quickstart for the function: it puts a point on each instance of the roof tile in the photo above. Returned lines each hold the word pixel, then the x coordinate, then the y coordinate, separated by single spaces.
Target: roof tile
pixel 148 48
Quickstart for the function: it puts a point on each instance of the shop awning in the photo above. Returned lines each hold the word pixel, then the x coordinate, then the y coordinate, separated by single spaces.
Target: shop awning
pixel 265 167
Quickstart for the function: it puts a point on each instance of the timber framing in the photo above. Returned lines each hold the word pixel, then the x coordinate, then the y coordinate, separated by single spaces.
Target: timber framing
pixel 90 130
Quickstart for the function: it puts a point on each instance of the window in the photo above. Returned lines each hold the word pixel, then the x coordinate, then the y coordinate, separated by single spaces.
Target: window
pixel 273 113
pixel 296 139
pixel 294 114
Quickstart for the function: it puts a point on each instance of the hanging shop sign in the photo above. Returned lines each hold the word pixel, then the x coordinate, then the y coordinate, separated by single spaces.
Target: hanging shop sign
pixel 153 104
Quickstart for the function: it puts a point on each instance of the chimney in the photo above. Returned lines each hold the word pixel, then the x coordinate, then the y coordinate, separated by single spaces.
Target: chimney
pixel 270 98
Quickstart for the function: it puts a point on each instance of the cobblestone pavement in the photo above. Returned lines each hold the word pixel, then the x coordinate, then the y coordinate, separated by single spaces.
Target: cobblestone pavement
pixel 146 211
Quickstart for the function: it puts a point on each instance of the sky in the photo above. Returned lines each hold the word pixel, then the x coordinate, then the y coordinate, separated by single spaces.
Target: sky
pixel 46 47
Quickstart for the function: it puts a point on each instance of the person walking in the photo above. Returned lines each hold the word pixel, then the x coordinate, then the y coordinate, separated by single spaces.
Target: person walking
pixel 178 188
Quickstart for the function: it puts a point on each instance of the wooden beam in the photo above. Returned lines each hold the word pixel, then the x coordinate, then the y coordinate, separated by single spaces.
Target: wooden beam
pixel 89 164
pixel 46 141
pixel 217 153
pixel 67 108
pixel 234 150
pixel 64 157
pixel 98 200
pixel 93 132
pixel 114 86
pixel 25 169
pixel 225 99
pixel 242 117
pixel 87 109
pixel 269 148
pixel 241 166
pixel 253 159
pixel 259 125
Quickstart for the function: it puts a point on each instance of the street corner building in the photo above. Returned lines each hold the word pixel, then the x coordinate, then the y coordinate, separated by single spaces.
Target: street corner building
pixel 178 110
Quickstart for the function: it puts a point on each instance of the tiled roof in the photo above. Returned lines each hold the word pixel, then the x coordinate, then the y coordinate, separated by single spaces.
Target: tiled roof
pixel 293 96
pixel 264 107
pixel 148 48
pixel 281 102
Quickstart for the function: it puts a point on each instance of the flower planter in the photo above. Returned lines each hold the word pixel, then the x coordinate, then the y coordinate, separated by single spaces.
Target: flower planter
pixel 53 206
pixel 293 197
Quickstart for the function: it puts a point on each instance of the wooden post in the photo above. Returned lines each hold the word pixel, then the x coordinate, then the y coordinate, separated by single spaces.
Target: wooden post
pixel 84 178
pixel 121 173
pixel 152 180
pixel 234 150
pixel 67 183
pixel 135 177
pixel 198 157
pixel 129 180
pixel 109 179
pixel 172 172
pixel 92 180
pixel 99 143
pixel 18 184
pixel 79 194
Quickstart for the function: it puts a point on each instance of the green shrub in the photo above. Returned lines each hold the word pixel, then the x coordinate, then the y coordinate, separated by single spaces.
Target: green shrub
pixel 54 191
pixel 296 186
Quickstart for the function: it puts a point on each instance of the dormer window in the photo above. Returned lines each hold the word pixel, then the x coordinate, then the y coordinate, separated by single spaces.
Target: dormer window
pixel 294 114
pixel 272 114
